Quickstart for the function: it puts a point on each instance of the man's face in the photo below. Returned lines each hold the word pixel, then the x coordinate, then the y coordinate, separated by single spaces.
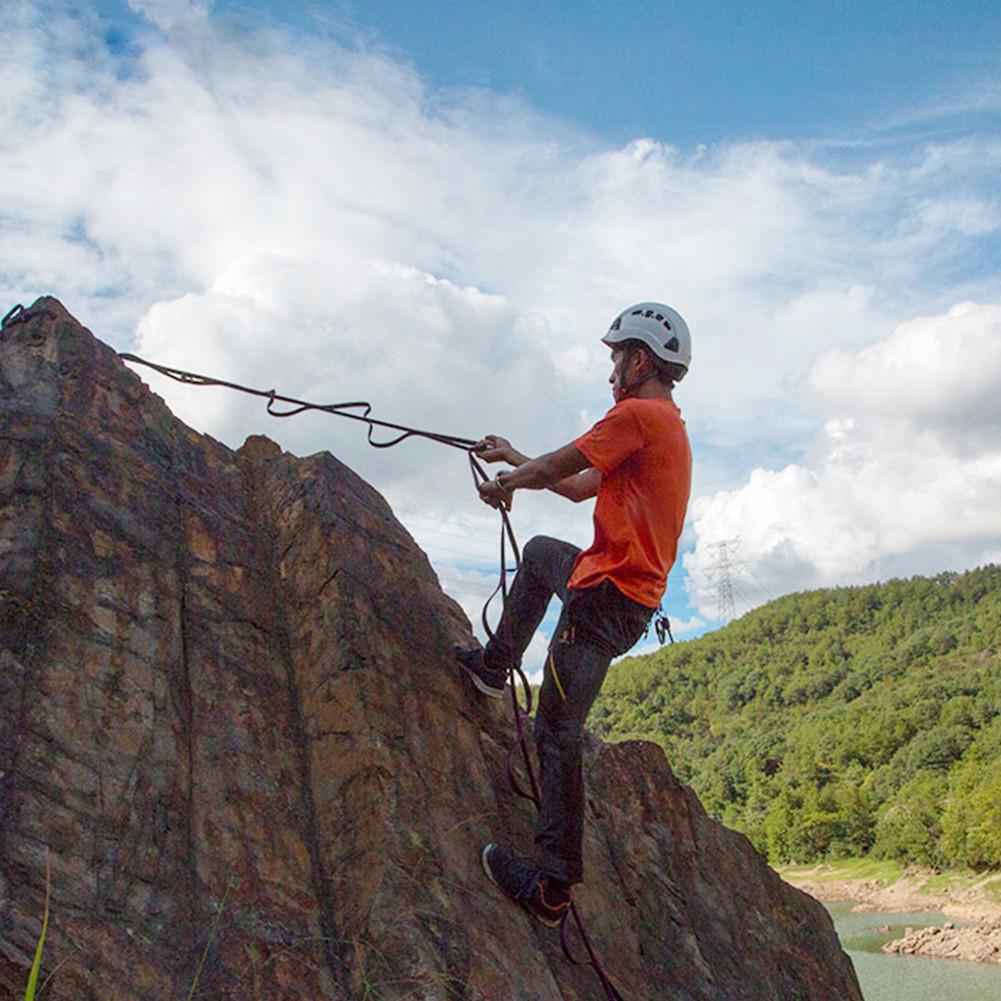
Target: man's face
pixel 619 359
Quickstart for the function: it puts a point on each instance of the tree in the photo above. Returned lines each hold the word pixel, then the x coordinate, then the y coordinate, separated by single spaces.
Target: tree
pixel 908 826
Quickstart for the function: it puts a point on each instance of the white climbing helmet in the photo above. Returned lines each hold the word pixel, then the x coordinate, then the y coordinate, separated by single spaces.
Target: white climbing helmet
pixel 659 327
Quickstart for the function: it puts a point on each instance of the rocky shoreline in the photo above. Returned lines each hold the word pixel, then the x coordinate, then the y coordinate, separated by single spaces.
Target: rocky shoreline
pixel 977 944
pixel 979 940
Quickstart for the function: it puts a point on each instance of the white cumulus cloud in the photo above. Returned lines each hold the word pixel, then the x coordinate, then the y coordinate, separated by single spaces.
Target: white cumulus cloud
pixel 942 369
pixel 904 478
pixel 306 213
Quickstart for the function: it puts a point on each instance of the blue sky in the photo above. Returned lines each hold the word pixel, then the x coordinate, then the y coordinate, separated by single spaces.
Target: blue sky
pixel 441 206
pixel 698 72
pixel 688 72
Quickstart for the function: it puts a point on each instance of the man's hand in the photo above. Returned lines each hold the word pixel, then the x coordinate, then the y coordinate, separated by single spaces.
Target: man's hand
pixel 492 493
pixel 494 448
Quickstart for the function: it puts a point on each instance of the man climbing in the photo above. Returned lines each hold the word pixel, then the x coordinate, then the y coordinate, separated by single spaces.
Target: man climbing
pixel 637 462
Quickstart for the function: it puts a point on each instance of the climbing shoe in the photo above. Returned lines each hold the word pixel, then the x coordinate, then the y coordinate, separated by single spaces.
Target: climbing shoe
pixel 521 880
pixel 488 680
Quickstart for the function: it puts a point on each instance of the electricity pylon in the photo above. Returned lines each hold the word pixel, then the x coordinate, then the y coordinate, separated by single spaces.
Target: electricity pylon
pixel 723 564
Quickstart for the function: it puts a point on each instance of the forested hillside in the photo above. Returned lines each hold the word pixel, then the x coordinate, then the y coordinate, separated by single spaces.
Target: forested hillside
pixel 838 722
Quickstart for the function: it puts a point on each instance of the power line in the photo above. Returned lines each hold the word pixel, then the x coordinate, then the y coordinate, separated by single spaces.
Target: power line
pixel 764 593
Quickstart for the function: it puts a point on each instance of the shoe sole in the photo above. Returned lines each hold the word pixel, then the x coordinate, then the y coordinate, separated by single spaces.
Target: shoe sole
pixel 548 922
pixel 481 685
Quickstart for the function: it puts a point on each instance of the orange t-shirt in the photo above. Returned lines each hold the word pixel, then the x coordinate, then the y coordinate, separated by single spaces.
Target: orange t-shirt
pixel 641 449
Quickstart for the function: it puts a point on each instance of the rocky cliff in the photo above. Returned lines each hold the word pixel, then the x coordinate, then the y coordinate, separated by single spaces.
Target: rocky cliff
pixel 229 716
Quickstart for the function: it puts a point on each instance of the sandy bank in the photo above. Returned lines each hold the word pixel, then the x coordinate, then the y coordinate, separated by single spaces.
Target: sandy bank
pixel 973 900
pixel 968 901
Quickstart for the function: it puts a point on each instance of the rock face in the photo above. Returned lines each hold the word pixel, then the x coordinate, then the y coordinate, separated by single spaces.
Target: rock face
pixel 230 718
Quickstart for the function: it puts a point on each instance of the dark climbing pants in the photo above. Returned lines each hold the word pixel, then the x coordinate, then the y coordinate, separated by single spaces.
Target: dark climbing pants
pixel 596 625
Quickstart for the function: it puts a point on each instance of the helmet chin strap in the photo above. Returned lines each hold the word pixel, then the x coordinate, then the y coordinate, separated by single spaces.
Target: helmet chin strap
pixel 620 383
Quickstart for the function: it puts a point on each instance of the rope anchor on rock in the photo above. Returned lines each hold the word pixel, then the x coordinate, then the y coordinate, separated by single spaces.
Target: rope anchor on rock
pixel 18 314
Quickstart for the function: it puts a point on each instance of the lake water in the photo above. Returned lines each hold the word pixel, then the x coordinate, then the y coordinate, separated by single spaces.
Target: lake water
pixel 887 977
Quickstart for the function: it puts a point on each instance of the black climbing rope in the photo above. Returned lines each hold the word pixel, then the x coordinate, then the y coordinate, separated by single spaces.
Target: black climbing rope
pixel 361 410
pixel 299 406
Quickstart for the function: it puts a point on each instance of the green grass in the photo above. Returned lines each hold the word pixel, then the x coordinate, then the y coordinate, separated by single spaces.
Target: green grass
pixel 32 989
pixel 886 871
pixel 943 882
pixel 209 941
pixel 36 966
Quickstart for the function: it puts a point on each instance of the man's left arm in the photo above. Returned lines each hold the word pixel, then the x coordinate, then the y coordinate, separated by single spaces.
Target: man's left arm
pixel 536 474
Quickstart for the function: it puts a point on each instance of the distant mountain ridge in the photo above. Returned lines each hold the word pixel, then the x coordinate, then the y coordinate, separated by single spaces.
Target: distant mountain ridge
pixel 838 722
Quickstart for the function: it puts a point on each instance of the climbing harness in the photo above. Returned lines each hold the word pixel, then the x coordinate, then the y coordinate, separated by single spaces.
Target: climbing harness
pixel 662 627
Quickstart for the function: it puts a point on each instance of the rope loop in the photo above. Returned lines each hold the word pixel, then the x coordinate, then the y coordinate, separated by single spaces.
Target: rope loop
pixel 12 317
